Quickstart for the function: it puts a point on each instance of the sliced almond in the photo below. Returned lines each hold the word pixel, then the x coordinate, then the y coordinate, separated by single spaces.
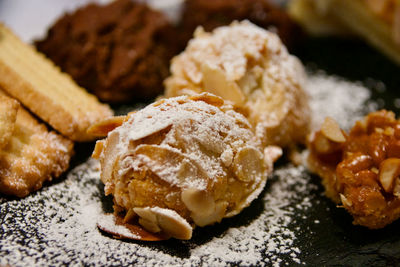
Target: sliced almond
pixel 98 148
pixel 198 201
pixel 102 128
pixel 147 219
pixel 168 221
pixel 209 99
pixel 389 171
pixel 272 153
pixel 331 130
pixel 345 201
pixel 116 226
pixel 321 144
pixel 170 165
pixel 248 164
pixel 214 216
pixel 215 82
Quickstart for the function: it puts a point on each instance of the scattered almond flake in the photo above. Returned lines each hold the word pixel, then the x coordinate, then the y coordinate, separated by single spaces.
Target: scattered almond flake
pixel 57 225
pixel 107 221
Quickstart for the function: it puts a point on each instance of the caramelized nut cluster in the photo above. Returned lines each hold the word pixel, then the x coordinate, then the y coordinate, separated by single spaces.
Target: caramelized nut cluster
pixel 361 170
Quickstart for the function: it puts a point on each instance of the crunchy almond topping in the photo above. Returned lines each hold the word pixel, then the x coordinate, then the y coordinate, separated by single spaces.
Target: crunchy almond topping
pixel 168 221
pixel 215 81
pixel 197 201
pixel 345 201
pixel 389 170
pixel 248 164
pixel 322 144
pixel 102 128
pixel 98 149
pixel 331 130
pixel 388 131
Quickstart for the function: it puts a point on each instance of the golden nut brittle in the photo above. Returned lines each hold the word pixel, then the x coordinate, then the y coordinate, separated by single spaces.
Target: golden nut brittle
pixel 362 172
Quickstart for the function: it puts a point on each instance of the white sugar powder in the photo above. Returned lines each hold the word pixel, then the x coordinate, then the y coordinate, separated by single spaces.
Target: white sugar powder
pixel 57 225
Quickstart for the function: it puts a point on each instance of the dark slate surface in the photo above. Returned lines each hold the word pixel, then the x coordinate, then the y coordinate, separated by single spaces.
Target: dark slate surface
pixel 335 241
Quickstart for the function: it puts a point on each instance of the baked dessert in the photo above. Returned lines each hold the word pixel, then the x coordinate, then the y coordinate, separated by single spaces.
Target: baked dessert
pixel 34 81
pixel 181 162
pixel 213 14
pixel 377 21
pixel 361 170
pixel 250 67
pixel 31 154
pixel 8 115
pixel 119 51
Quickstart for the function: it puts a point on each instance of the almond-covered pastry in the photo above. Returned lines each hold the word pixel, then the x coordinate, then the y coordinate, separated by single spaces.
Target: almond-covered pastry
pixel 181 162
pixel 361 170
pixel 30 154
pixel 251 68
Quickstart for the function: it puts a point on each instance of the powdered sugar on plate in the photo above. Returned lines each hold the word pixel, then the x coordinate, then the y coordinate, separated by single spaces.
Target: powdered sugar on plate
pixel 57 225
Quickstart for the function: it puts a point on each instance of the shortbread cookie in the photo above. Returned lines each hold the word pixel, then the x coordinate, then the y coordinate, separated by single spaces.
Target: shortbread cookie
pixel 250 67
pixel 8 115
pixel 183 161
pixel 33 80
pixel 32 155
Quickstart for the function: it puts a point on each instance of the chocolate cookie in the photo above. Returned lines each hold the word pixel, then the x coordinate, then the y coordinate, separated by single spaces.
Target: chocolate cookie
pixel 119 51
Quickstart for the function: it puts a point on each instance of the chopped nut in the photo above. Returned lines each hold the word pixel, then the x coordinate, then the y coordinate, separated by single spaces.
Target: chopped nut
pixel 331 130
pixel 375 170
pixel 322 144
pixel 388 131
pixel 345 201
pixel 389 170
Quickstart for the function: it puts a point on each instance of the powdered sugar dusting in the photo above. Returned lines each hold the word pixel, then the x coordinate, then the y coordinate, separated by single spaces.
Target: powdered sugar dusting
pixel 348 102
pixel 57 225
pixel 107 221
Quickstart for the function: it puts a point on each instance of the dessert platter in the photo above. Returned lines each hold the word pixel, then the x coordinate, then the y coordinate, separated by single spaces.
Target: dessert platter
pixel 130 135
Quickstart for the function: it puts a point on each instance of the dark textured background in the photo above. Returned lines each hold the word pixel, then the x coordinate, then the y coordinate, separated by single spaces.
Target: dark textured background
pixel 335 241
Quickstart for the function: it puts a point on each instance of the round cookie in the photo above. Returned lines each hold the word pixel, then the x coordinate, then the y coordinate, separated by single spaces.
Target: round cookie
pixel 250 67
pixel 183 161
pixel 120 51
